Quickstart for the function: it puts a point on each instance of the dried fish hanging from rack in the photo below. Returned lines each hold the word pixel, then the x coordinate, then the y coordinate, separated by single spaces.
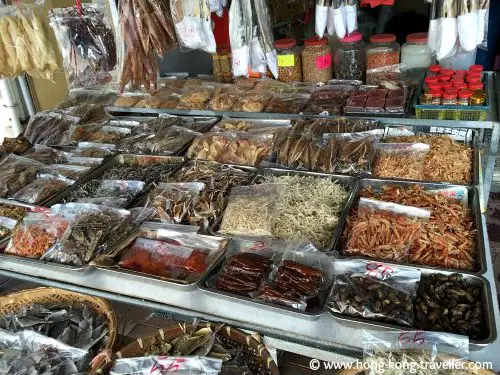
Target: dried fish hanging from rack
pixel 148 33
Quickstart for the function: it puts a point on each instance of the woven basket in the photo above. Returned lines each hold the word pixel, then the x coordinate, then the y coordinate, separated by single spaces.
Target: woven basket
pixel 52 296
pixel 139 347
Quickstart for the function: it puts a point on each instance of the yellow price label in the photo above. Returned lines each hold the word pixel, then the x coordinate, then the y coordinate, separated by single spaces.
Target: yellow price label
pixel 286 60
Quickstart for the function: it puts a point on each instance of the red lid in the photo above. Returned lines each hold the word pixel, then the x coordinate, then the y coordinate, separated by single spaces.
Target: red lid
pixel 476 68
pixel 436 94
pixel 354 37
pixel 446 85
pixel 458 75
pixel 451 90
pixel 435 68
pixel 472 79
pixel 285 43
pixel 447 71
pixel 444 77
pixel 455 79
pixel 417 38
pixel 473 74
pixel 383 38
pixel 431 79
pixel 314 41
pixel 464 94
pixel 461 72
pixel 435 86
pixel 449 95
pixel 460 85
pixel 476 85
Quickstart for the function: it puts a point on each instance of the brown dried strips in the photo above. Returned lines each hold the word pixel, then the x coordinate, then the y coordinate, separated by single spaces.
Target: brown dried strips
pixel 399 164
pixel 447 161
pixel 337 125
pixel 447 239
pixel 381 234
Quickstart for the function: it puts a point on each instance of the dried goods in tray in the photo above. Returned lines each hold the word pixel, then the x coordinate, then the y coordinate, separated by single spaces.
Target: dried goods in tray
pixel 447 160
pixel 450 303
pixel 118 193
pixel 320 126
pixel 447 239
pixel 400 160
pixel 46 155
pixel 73 172
pixel 42 189
pixel 308 208
pixel 353 152
pixel 16 172
pixel 298 151
pixel 287 103
pixel 97 133
pixel 223 99
pixel 16 213
pixel 49 128
pixel 94 150
pixel 17 145
pixel 252 102
pixel 231 148
pixel 383 230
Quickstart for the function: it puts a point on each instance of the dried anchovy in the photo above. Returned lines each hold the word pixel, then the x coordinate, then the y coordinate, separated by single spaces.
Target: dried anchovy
pixel 214 176
pixel 450 304
pixel 383 360
pixel 85 190
pixel 154 172
pixel 447 239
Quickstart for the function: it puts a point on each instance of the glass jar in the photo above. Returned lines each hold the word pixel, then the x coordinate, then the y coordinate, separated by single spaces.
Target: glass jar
pixel 289 65
pixel 415 53
pixel 350 57
pixel 382 51
pixel 464 97
pixel 478 97
pixel 449 98
pixel 426 98
pixel 436 97
pixel 316 60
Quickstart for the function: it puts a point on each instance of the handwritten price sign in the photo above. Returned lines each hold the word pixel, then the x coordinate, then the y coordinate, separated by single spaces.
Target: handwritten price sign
pixel 414 338
pixel 379 270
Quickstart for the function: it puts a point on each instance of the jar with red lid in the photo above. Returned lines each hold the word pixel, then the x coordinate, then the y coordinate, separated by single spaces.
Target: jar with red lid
pixel 434 87
pixel 432 79
pixel 447 71
pixel 473 78
pixel 449 98
pixel 316 60
pixel 476 68
pixel 350 57
pixel 476 86
pixel 464 97
pixel 446 85
pixel 452 90
pixel 456 79
pixel 436 97
pixel 434 69
pixel 444 77
pixel 415 53
pixel 460 85
pixel 289 64
pixel 382 51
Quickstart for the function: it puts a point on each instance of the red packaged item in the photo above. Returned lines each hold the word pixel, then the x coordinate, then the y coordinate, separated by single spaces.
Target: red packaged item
pixel 375 104
pixel 456 79
pixel 435 69
pixel 447 71
pixel 431 79
pixel 444 77
pixel 451 90
pixel 476 68
pixel 446 85
pixel 460 85
pixel 395 105
pixel 476 86
pixel 461 72
pixel 434 87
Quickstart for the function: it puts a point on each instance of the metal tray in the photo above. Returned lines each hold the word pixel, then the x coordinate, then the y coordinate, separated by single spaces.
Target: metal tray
pixel 261 123
pixel 313 314
pixel 118 160
pixel 348 182
pixel 489 317
pixel 408 105
pixel 474 205
pixel 178 284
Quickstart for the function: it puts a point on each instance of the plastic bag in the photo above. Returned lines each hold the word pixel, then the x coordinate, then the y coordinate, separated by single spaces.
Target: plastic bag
pixel 7 225
pixel 265 34
pixel 25 45
pixel 300 281
pixel 193 24
pixel 231 148
pixel 46 155
pixel 161 365
pixel 80 160
pixel 393 73
pixel 121 190
pixel 169 142
pixel 336 17
pixel 94 150
pixel 289 103
pixel 414 352
pixel 448 31
pixel 240 36
pixel 482 23
pixel 250 210
pixel 49 128
pixel 248 126
pixel 355 151
pixel 41 189
pixel 384 230
pixel 252 102
pixel 174 202
pixel 400 160
pixel 322 7
pixel 375 291
pixel 16 172
pixel 98 133
pixel 18 145
pixel 88 232
pixel 223 100
pixel 468 24
pixel 38 233
pixel 158 125
pixel 87 44
pixel 351 16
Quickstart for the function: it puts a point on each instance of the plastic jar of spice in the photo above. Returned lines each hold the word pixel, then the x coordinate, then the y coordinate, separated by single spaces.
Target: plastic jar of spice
pixel 350 57
pixel 436 97
pixel 383 50
pixel 289 65
pixel 464 97
pixel 476 68
pixel 415 53
pixel 476 85
pixel 460 85
pixel 426 98
pixel 316 60
pixel 449 98
pixel 434 69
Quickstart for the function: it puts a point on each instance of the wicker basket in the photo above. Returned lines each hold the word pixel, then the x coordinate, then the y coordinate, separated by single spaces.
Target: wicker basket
pixel 52 296
pixel 139 347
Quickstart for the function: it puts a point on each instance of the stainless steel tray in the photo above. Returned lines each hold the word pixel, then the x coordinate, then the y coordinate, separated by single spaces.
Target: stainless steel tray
pixel 489 317
pixel 118 160
pixel 21 260
pixel 312 314
pixel 474 206
pixel 348 182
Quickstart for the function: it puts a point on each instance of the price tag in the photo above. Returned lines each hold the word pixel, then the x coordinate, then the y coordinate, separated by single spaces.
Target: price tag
pixel 413 338
pixel 379 270
pixel 323 62
pixel 286 60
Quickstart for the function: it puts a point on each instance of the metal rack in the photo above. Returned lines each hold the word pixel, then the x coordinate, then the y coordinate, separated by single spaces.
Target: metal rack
pixel 323 337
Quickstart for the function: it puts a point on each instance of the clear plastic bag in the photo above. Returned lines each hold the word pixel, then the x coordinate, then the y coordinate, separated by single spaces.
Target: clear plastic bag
pixel 124 191
pixel 81 160
pixel 98 133
pixel 384 230
pixel 87 44
pixel 38 233
pixel 400 160
pixel 153 230
pixel 49 128
pixel 240 36
pixel 94 150
pixel 195 97
pixel 16 172
pixel 391 73
pixel 223 99
pixel 7 225
pixel 174 202
pixel 159 365
pixel 41 189
pixel 18 145
pixel 248 126
pixel 89 232
pixel 46 155
pixel 416 352
pixel 287 103
pixel 25 44
pixel 375 291
pixel 193 24
pixel 250 210
pixel 169 142
pixel 252 102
